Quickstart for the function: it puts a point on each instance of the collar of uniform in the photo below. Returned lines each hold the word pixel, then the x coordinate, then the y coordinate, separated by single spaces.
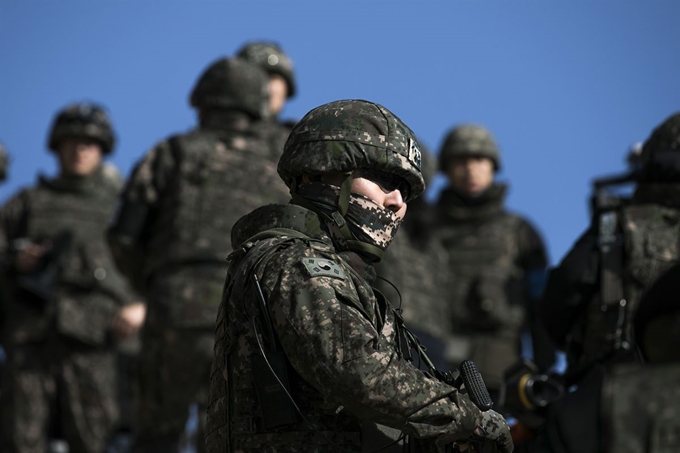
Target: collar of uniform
pixel 290 216
pixel 76 184
pixel 456 206
pixel 360 265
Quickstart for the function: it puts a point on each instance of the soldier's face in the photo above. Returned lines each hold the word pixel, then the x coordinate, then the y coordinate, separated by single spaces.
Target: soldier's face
pixel 471 175
pixel 79 157
pixel 389 199
pixel 278 93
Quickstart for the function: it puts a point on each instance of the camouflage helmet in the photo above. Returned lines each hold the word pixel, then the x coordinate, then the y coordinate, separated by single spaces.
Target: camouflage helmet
pixel 232 83
pixel 658 154
pixel 270 57
pixel 469 140
pixel 83 120
pixel 342 136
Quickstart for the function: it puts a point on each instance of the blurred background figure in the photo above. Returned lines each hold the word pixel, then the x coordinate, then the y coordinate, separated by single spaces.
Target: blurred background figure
pixel 497 260
pixel 413 273
pixel 592 297
pixel 282 86
pixel 172 237
pixel 64 302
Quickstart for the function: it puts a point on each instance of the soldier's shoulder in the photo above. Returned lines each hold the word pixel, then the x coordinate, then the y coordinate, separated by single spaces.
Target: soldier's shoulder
pixel 304 259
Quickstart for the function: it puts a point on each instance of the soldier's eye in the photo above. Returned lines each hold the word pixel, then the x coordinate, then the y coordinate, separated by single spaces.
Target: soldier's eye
pixel 387 181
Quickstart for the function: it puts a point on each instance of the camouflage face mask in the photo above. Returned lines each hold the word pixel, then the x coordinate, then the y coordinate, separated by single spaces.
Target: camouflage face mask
pixel 368 222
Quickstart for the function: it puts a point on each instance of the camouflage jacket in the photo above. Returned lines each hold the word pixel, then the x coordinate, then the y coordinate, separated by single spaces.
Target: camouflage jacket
pixel 344 367
pixel 640 409
pixel 493 256
pixel 87 288
pixel 577 312
pixel 182 200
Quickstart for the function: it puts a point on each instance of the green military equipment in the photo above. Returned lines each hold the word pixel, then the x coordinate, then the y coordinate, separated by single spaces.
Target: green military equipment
pixel 346 135
pixel 84 120
pixel 270 57
pixel 468 140
pixel 232 84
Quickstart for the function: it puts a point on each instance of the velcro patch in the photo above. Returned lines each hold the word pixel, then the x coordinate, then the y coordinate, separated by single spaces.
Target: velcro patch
pixel 322 267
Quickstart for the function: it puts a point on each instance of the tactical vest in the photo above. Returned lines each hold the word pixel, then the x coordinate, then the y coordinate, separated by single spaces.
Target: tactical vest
pixel 235 413
pixel 89 286
pixel 487 296
pixel 639 410
pixel 637 244
pixel 218 180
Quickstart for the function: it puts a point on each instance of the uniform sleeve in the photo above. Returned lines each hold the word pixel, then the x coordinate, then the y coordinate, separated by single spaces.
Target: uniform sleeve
pixel 333 345
pixel 149 180
pixel 571 286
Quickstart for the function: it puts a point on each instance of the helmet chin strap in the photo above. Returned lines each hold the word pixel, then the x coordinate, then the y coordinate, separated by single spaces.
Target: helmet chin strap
pixel 335 220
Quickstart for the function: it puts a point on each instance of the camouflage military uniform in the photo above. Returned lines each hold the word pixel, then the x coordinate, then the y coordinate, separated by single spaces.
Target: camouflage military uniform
pixel 172 236
pixel 592 296
pixel 319 326
pixel 60 376
pixel 416 265
pixel 273 60
pixel 492 255
pixel 592 301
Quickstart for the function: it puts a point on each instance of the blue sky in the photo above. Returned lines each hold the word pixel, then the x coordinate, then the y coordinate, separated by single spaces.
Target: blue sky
pixel 565 86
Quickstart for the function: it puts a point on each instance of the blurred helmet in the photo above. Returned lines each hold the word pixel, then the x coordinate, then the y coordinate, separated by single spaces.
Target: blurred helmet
pixel 342 136
pixel 270 57
pixel 232 84
pixel 469 140
pixel 659 157
pixel 83 120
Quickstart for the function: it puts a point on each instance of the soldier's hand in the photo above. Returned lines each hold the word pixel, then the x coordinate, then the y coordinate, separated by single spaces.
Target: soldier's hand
pixel 492 426
pixel 129 320
pixel 29 256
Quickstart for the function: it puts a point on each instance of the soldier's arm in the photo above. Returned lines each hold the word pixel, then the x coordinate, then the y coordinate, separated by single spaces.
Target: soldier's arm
pixel 149 179
pixel 570 287
pixel 533 259
pixel 332 344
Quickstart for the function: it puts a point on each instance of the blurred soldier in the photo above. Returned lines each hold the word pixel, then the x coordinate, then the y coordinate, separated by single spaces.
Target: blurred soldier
pixel 279 67
pixel 307 355
pixel 640 409
pixel 172 237
pixel 593 295
pixel 413 273
pixel 62 292
pixel 4 163
pixel 497 259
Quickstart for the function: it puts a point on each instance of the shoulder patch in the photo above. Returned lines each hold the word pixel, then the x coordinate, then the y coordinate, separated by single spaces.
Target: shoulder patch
pixel 322 267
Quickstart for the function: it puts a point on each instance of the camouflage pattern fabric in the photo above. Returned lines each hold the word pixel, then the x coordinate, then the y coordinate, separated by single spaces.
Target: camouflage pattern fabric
pixel 71 362
pixel 272 59
pixel 468 140
pixel 345 367
pixel 342 136
pixel 641 409
pixel 194 187
pixel 84 120
pixel 490 252
pixel 61 390
pixel 419 273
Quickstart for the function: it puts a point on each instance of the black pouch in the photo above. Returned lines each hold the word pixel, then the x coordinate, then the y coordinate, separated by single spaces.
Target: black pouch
pixel 275 403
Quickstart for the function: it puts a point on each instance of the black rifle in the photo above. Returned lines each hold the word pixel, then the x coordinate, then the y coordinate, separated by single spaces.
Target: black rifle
pixel 40 282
